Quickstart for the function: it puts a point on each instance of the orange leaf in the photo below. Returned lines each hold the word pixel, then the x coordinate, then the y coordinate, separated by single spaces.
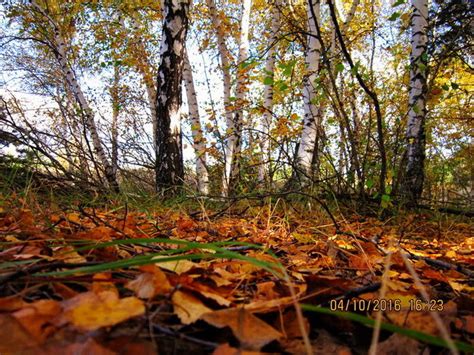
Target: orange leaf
pixel 14 339
pixel 10 304
pixel 226 349
pixel 252 332
pixel 150 284
pixel 36 318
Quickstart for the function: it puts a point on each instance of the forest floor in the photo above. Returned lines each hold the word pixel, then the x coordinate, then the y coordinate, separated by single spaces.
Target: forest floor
pixel 272 279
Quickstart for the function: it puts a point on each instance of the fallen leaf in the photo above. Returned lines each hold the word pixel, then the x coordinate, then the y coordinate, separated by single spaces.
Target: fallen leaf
pixel 150 284
pixel 89 346
pixel 450 254
pixel 68 254
pixel 434 275
pixel 64 291
pixel 187 307
pixel 216 297
pixel 226 349
pixel 177 266
pixel 289 325
pixel 423 321
pixel 132 345
pixel 37 318
pixel 252 332
pixel 398 344
pixel 12 303
pixel 100 233
pixel 265 290
pixel 220 281
pixel 102 283
pixel 74 217
pixel 327 344
pixel 14 339
pixel 90 311
pixel 359 262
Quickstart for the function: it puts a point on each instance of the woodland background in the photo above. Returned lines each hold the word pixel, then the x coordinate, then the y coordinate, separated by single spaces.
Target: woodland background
pixel 274 99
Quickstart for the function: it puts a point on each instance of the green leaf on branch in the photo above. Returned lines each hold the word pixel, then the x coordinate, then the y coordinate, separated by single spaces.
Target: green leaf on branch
pixel 398 2
pixel 268 80
pixel 394 16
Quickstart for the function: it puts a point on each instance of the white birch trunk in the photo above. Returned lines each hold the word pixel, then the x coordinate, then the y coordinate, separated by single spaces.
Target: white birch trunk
pixel 73 84
pixel 265 125
pixel 226 61
pixel 235 139
pixel 196 129
pixel 311 111
pixel 115 96
pixel 415 134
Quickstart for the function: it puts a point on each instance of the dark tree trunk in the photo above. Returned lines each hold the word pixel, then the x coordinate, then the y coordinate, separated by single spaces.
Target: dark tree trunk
pixel 169 155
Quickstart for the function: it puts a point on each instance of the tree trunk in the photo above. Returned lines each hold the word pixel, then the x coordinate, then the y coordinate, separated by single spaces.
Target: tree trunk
pixel 265 126
pixel 235 139
pixel 169 155
pixel 196 129
pixel 226 61
pixel 412 186
pixel 73 84
pixel 116 101
pixel 311 110
pixel 371 93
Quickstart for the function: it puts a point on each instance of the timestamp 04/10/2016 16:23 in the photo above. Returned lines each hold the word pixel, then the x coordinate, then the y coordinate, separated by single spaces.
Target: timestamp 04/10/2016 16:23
pixel 416 305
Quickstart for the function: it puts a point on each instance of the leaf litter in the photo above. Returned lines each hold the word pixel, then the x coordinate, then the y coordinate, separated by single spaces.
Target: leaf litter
pixel 166 282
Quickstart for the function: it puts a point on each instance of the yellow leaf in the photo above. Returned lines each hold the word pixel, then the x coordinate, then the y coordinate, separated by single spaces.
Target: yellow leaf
pixel 74 217
pixel 90 311
pixel 187 307
pixel 177 266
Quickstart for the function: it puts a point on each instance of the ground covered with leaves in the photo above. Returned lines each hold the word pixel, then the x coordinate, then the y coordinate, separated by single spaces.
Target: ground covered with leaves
pixel 272 279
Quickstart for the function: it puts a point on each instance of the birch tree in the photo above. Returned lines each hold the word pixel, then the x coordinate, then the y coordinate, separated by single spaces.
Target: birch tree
pixel 265 125
pixel 196 129
pixel 415 133
pixel 116 99
pixel 234 144
pixel 60 52
pixel 311 111
pixel 226 61
pixel 169 155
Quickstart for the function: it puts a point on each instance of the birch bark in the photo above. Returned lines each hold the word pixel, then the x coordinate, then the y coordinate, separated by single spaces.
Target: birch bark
pixel 115 96
pixel 73 84
pixel 235 139
pixel 226 61
pixel 266 123
pixel 196 129
pixel 415 133
pixel 169 155
pixel 311 111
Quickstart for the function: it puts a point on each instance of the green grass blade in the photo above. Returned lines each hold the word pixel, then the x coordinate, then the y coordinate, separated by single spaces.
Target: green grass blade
pixel 12 264
pixel 120 264
pixel 149 259
pixel 145 241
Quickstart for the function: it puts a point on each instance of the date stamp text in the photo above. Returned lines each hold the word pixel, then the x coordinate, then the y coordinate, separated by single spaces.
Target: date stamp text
pixel 386 305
